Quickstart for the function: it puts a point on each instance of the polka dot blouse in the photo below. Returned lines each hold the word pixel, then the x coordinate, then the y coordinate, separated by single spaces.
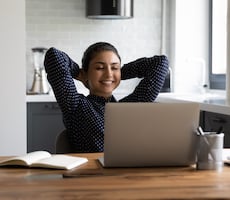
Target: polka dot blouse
pixel 83 116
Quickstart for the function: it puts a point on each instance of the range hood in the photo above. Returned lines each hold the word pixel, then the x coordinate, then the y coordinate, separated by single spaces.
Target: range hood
pixel 109 9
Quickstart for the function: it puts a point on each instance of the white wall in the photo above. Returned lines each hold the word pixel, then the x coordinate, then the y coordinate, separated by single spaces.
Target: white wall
pixel 190 49
pixel 228 57
pixel 13 78
pixel 63 24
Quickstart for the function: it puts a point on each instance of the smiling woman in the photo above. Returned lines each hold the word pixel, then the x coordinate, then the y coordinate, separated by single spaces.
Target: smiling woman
pixel 101 73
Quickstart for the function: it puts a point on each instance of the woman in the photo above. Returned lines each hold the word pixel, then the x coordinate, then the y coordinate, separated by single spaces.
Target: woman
pixel 101 73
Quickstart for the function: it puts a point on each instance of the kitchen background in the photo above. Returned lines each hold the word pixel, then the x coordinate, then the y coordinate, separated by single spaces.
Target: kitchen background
pixel 177 29
pixel 63 24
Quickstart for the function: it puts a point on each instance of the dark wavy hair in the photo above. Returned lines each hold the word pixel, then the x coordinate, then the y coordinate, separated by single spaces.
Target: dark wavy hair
pixel 93 50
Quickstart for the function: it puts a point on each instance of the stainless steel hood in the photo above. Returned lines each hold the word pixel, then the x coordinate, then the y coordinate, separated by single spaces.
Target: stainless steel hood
pixel 109 9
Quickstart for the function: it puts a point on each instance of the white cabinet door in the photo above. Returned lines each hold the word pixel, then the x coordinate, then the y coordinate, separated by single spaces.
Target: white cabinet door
pixel 12 81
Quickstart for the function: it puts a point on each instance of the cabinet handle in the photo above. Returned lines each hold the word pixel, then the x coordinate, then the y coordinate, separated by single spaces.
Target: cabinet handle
pixel 55 107
pixel 51 107
pixel 219 120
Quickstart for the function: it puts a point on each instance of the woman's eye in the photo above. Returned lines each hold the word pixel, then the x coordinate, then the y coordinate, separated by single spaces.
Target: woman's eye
pixel 115 67
pixel 99 67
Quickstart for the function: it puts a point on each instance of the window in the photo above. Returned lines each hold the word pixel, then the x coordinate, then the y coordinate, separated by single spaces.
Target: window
pixel 218 50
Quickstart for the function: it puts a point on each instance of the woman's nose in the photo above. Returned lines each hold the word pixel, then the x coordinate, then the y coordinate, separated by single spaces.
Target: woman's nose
pixel 109 72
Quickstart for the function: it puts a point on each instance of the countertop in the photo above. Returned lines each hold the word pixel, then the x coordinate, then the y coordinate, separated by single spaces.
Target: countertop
pixel 211 101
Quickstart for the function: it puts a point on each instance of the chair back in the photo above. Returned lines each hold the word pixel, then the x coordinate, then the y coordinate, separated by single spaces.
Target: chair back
pixel 62 143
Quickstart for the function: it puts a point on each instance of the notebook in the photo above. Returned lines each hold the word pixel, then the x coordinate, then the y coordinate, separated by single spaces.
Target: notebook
pixel 150 134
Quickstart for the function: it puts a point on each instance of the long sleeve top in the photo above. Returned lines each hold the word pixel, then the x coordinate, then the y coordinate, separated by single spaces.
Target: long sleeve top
pixel 83 116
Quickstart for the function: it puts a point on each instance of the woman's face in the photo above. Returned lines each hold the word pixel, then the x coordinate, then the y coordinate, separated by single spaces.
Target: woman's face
pixel 104 73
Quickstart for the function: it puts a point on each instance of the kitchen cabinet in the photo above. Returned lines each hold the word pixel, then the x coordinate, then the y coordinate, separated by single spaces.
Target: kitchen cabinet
pixel 213 121
pixel 44 123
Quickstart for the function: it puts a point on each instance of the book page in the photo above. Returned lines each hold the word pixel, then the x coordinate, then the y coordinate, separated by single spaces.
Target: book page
pixel 60 162
pixel 27 159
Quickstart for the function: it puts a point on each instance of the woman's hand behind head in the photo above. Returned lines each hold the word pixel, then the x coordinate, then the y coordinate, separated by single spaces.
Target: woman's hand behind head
pixel 83 78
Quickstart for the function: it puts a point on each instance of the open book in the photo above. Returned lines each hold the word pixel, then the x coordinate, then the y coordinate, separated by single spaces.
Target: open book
pixel 45 160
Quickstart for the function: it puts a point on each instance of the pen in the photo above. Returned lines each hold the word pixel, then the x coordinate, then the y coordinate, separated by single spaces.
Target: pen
pixel 201 132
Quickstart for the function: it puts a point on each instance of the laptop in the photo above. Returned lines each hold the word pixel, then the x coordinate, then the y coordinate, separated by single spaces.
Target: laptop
pixel 150 134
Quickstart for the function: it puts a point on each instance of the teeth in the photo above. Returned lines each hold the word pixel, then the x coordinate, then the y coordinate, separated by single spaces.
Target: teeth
pixel 107 82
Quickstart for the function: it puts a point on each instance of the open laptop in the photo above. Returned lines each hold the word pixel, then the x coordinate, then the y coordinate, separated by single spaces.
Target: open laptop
pixel 150 134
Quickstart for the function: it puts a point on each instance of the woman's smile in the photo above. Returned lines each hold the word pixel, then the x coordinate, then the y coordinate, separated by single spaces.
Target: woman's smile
pixel 107 82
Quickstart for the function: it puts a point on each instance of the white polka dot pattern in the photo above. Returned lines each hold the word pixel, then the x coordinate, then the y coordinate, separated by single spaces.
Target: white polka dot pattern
pixel 83 116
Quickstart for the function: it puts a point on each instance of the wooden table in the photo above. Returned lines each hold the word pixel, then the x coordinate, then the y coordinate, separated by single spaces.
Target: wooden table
pixel 91 181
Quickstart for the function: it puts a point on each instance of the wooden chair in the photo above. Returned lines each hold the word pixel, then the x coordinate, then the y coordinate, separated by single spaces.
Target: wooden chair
pixel 62 143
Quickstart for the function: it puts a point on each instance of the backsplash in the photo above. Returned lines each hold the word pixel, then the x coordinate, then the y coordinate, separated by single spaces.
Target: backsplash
pixel 63 24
